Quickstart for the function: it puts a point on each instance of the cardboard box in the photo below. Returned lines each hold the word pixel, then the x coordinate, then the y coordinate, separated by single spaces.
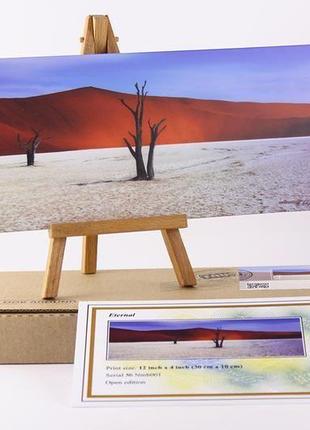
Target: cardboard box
pixel 33 330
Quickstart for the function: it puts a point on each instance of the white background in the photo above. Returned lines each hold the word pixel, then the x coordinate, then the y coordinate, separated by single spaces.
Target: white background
pixel 39 396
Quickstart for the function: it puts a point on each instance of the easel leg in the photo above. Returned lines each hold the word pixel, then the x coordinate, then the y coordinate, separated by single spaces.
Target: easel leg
pixel 89 255
pixel 179 258
pixel 53 268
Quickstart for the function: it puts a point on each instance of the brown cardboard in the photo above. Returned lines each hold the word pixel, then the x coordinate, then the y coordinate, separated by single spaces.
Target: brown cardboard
pixel 33 330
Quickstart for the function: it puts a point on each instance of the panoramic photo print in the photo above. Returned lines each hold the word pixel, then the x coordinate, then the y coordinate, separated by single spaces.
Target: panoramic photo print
pixel 206 133
pixel 205 339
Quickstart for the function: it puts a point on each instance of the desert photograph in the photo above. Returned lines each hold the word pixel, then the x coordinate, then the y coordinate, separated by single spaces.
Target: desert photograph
pixel 205 339
pixel 207 133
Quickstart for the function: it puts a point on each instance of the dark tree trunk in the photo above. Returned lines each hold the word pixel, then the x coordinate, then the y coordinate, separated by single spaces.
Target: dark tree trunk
pixel 150 162
pixel 30 157
pixel 135 147
pixel 30 147
pixel 140 167
pixel 137 114
pixel 155 132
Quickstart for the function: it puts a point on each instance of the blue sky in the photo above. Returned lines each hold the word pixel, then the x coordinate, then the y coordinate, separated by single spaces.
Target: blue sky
pixel 252 324
pixel 274 74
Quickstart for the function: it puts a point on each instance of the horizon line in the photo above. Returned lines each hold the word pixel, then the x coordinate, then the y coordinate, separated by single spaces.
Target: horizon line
pixel 155 96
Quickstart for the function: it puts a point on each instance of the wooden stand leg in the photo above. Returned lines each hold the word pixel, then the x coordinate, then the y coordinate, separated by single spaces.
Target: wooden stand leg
pixel 89 256
pixel 53 268
pixel 179 258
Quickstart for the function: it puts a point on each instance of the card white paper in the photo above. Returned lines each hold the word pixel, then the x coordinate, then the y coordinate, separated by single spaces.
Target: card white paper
pixel 188 351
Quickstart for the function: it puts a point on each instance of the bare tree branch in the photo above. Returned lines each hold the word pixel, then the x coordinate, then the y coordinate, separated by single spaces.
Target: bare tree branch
pixel 137 88
pixel 132 135
pixel 143 92
pixel 132 151
pixel 128 106
pixel 162 129
pixel 139 106
pixel 160 122
pixel 155 128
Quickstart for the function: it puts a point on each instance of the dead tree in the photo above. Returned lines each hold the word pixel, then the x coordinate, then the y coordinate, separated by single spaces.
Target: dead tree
pixel 135 147
pixel 30 146
pixel 218 338
pixel 155 130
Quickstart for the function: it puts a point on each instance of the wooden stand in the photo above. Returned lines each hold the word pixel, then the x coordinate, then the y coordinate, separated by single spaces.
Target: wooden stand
pixel 169 226
pixel 99 38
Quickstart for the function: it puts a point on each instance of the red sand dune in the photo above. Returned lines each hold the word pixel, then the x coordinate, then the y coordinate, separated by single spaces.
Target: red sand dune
pixel 89 118
pixel 125 335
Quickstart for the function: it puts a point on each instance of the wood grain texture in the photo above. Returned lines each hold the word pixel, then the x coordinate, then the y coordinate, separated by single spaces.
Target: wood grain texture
pixel 53 268
pixel 88 41
pixel 98 36
pixel 112 46
pixel 179 258
pixel 100 26
pixel 89 254
pixel 93 228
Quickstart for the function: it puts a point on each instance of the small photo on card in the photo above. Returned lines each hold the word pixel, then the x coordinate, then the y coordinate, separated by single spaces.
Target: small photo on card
pixel 205 339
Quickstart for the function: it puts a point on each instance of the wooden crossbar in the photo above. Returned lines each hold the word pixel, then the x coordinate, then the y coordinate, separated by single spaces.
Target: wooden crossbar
pixel 117 226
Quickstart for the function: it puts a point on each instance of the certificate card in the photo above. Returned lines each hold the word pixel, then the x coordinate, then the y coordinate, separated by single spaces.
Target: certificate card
pixel 168 351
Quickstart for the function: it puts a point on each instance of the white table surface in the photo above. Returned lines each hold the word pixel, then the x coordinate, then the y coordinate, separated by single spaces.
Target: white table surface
pixel 38 397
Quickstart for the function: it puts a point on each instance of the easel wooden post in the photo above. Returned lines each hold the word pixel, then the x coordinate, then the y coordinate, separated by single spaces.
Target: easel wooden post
pixel 99 38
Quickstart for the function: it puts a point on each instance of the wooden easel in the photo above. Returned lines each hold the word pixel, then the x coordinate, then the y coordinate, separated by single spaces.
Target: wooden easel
pixel 99 38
